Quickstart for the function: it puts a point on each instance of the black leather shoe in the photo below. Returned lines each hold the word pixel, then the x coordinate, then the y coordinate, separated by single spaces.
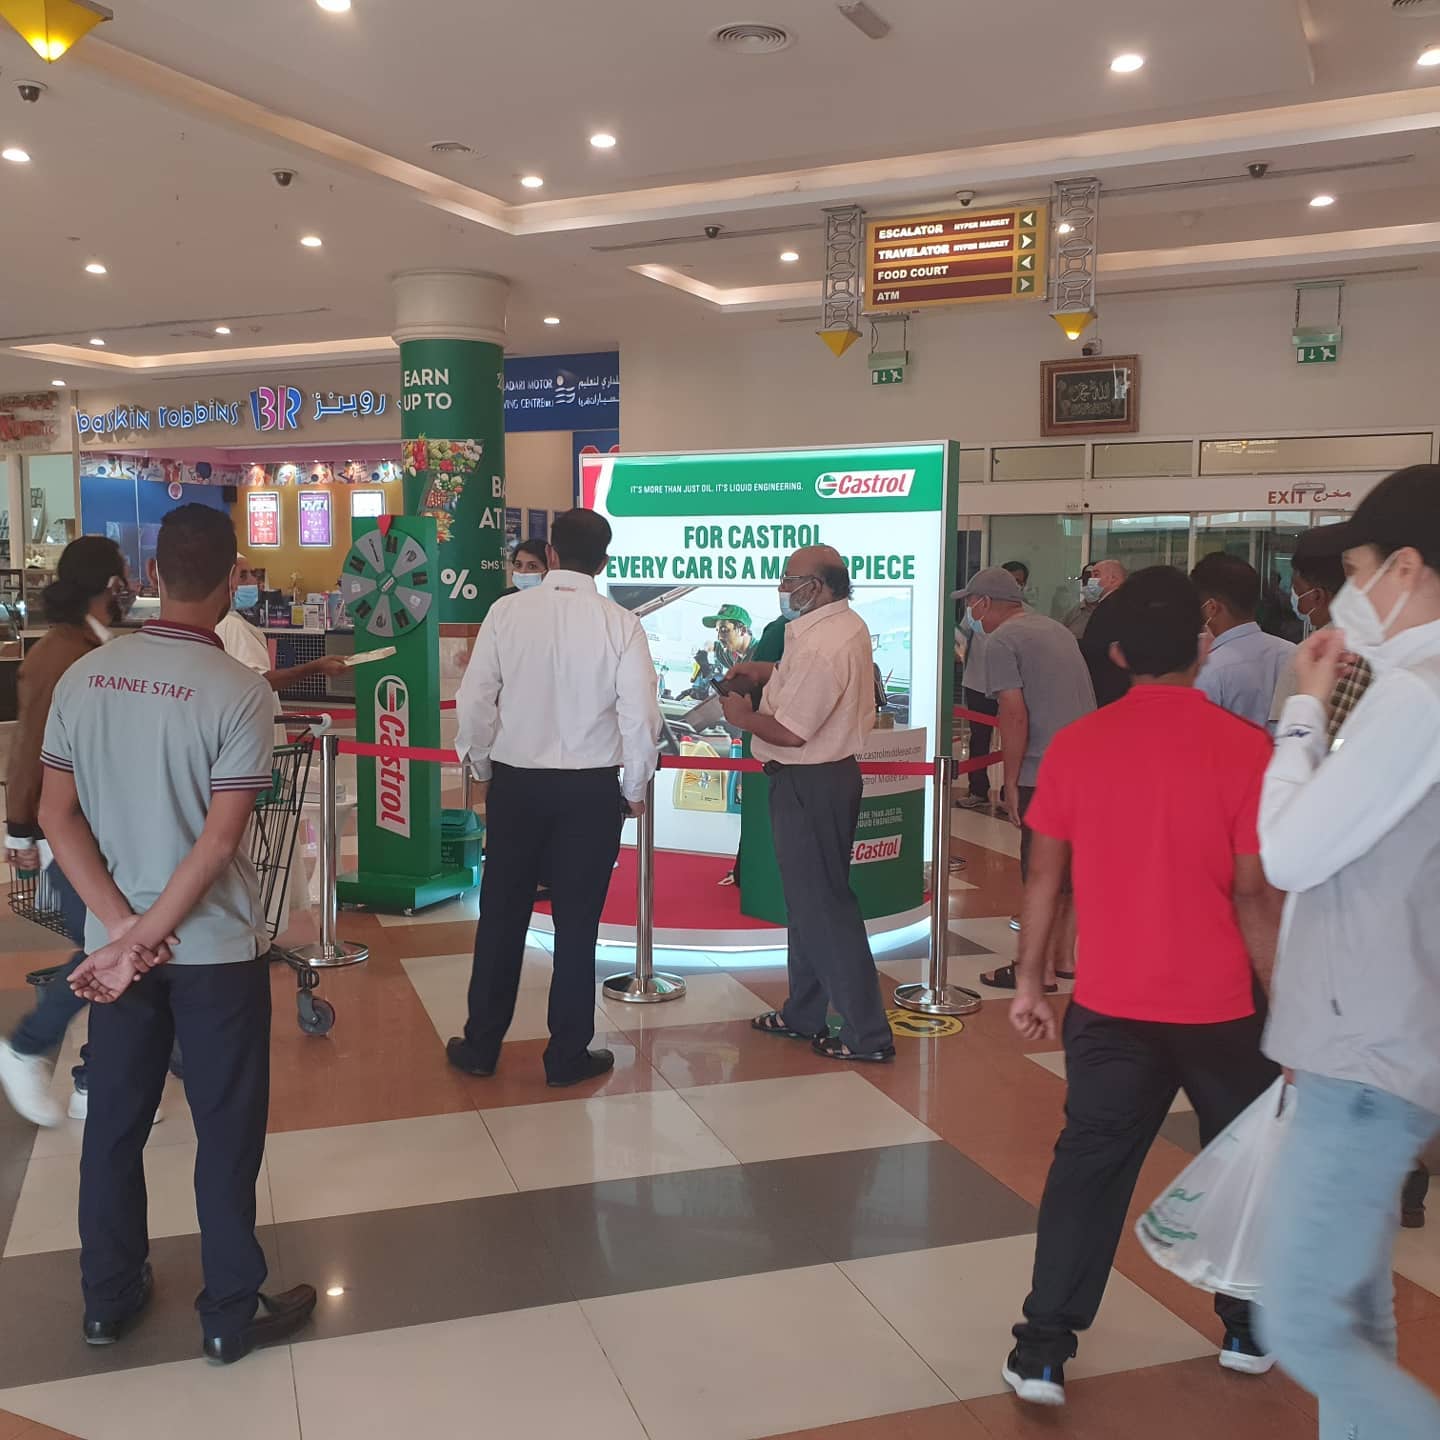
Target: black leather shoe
pixel 280 1316
pixel 597 1062
pixel 107 1332
pixel 462 1057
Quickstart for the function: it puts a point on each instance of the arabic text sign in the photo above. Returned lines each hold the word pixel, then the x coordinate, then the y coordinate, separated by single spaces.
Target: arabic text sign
pixel 315 527
pixel 563 392
pixel 956 259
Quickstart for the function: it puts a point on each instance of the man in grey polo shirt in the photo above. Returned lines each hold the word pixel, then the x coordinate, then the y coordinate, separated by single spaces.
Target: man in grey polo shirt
pixel 155 749
pixel 1040 683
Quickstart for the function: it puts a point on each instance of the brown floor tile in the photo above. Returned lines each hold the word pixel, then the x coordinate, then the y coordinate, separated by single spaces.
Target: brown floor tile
pixel 729 1050
pixel 940 1422
pixel 17 1427
pixel 1194 1400
pixel 1420 1350
pixel 996 876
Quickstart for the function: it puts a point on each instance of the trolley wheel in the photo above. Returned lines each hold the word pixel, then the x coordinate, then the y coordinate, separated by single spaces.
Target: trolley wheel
pixel 316 1015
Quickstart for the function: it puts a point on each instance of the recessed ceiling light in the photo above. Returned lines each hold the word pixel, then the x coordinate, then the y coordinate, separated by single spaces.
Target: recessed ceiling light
pixel 59 384
pixel 334 1291
pixel 1064 228
pixel 1128 63
pixel 603 140
pixel 95 268
pixel 222 329
pixel 789 256
pixel 1430 56
pixel 552 319
pixel 96 340
pixel 335 7
pixel 16 156
pixel 311 242
pixel 1319 202
pixel 532 182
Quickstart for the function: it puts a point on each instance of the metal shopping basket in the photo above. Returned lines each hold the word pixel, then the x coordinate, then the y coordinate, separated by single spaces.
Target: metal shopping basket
pixel 33 898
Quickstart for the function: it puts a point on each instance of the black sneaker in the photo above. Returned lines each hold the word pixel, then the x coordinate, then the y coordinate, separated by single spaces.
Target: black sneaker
pixel 1033 1381
pixel 1241 1354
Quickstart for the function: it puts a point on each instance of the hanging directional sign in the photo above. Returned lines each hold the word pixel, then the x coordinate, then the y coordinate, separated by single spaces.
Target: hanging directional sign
pixel 956 259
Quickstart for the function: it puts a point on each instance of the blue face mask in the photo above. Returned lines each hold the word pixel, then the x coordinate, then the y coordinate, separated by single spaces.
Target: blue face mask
pixel 526 580
pixel 247 597
pixel 788 608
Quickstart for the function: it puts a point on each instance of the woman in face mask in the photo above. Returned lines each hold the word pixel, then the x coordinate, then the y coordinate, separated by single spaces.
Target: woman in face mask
pixel 529 565
pixel 1352 828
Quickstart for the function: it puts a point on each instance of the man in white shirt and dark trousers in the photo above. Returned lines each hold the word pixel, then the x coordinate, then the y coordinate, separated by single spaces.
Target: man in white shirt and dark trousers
pixel 559 696
pixel 817 708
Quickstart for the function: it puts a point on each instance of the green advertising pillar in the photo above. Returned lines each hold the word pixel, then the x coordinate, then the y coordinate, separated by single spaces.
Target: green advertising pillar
pixel 450 326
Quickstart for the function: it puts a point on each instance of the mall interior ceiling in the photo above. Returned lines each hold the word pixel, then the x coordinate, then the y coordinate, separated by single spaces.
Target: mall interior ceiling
pixel 1235 139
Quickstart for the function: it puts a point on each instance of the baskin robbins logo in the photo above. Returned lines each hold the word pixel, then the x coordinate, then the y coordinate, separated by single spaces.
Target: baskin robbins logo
pixel 867 852
pixel 857 484
pixel 392 780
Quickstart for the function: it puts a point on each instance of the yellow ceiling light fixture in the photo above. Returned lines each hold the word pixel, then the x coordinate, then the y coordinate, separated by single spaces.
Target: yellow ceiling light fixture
pixel 838 340
pixel 1074 322
pixel 51 27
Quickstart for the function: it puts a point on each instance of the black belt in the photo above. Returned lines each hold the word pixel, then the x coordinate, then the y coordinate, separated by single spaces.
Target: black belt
pixel 774 767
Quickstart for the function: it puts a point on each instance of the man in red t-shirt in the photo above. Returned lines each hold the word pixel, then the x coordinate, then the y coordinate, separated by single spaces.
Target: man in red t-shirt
pixel 1175 918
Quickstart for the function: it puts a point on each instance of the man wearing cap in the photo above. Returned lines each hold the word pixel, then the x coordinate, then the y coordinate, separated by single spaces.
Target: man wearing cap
pixel 1040 683
pixel 816 710
pixel 731 624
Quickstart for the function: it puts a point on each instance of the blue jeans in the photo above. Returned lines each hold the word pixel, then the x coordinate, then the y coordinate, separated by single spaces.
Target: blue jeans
pixel 1329 1300
pixel 42 1030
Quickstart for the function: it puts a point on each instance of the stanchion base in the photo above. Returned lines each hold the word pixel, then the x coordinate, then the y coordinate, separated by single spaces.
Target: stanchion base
pixel 948 1000
pixel 332 957
pixel 646 990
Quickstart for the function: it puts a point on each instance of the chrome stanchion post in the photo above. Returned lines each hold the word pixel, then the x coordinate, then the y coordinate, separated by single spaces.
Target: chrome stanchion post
pixel 935 995
pixel 643 986
pixel 330 952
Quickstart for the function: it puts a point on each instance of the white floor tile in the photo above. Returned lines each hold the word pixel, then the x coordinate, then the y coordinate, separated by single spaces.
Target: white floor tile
pixel 384 1165
pixel 1054 1062
pixel 45 1216
pixel 803 1115
pixel 994 933
pixel 538 1372
pixel 575 1142
pixel 977 828
pixel 758 1355
pixel 170 1402
pixel 707 998
pixel 175 1128
pixel 956 1304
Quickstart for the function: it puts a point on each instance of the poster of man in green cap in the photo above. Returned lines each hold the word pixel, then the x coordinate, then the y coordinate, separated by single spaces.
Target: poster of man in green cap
pixel 731 624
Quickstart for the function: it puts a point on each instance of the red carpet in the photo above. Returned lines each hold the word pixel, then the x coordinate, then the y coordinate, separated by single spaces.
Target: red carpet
pixel 688 894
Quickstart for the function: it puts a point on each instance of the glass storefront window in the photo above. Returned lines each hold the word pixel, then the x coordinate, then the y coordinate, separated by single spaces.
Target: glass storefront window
pixel 1138 541
pixel 1123 459
pixel 1050 545
pixel 1039 462
pixel 1313 454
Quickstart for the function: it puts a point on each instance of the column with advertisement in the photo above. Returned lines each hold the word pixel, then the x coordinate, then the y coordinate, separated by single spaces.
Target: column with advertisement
pixel 700 545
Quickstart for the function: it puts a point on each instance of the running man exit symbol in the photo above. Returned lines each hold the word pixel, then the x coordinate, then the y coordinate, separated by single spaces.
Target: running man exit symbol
pixel 1317 354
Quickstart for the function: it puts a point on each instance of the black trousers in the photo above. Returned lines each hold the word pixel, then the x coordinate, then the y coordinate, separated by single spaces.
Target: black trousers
pixel 221 1015
pixel 813 813
pixel 563 825
pixel 980 738
pixel 1123 1076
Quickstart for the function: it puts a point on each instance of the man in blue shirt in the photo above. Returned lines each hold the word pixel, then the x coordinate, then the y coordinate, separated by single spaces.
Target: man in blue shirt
pixel 1245 664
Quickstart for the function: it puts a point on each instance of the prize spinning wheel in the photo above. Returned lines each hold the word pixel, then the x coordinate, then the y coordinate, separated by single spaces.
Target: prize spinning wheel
pixel 379 581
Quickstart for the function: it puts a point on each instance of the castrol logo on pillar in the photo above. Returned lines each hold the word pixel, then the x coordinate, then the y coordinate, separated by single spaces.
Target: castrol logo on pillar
pixel 392 772
pixel 852 484
pixel 867 852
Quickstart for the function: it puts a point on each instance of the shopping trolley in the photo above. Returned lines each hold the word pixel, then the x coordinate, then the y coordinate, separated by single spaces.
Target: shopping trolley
pixel 33 898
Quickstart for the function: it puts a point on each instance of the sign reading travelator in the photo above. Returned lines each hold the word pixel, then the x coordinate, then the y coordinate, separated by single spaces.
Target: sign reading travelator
pixel 956 259
pixel 699 549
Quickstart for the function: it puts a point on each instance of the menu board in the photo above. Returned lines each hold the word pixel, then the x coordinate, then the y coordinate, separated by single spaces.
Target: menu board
pixel 956 259
pixel 262 508
pixel 315 527
pixel 367 504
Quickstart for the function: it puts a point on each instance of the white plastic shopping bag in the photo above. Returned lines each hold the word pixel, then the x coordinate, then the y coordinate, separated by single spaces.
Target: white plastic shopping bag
pixel 1206 1228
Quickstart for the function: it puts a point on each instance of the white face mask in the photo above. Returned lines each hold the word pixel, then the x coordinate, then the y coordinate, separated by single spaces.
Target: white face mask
pixel 1091 591
pixel 526 580
pixel 1354 613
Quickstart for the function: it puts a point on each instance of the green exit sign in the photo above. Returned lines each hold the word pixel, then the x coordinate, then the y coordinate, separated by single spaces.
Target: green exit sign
pixel 888 375
pixel 1317 354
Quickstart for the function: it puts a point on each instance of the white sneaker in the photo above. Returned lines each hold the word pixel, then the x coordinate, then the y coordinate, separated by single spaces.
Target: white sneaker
pixel 26 1082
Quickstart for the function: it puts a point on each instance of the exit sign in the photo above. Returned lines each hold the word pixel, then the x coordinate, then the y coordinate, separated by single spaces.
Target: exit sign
pixel 1317 354
pixel 888 375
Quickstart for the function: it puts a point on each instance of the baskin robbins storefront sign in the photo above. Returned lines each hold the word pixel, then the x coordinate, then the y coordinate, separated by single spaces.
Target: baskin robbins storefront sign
pixel 269 409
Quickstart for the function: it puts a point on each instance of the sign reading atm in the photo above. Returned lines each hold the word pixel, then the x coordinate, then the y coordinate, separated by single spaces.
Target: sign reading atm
pixel 956 259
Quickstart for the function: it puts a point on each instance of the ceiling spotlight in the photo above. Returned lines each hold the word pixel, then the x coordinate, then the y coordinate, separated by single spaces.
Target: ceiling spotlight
pixel 95 268
pixel 603 140
pixel 532 182
pixel 1319 202
pixel 311 242
pixel 15 155
pixel 335 1291
pixel 789 256
pixel 222 329
pixel 97 341
pixel 552 319
pixel 1064 228
pixel 1430 56
pixel 59 384
pixel 335 7
pixel 1127 64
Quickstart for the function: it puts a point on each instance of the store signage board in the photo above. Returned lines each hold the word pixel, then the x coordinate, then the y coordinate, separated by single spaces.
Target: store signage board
pixel 316 529
pixel 29 423
pixel 563 392
pixel 269 409
pixel 262 511
pixel 958 259
pixel 699 532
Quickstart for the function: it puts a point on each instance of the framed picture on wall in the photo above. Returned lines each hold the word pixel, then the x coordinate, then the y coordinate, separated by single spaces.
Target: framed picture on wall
pixel 367 504
pixel 538 522
pixel 1090 397
pixel 316 531
pixel 262 513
